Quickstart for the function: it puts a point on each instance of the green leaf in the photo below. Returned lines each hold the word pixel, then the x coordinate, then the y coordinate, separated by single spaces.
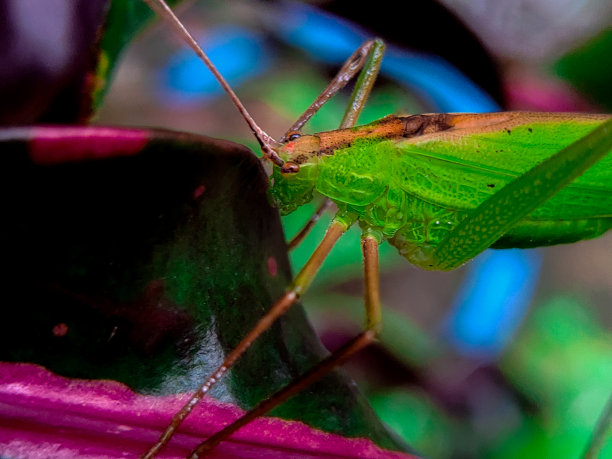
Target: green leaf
pixel 124 21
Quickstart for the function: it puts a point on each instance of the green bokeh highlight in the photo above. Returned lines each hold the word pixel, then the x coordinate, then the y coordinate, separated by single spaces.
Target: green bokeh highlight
pixel 588 69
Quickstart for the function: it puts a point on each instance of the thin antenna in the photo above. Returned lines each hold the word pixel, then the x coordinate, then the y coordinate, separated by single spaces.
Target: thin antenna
pixel 268 144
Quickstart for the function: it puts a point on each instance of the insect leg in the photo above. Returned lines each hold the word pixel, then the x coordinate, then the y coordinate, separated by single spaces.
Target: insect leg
pixel 295 290
pixel 600 433
pixel 369 334
pixel 299 237
pixel 366 58
pixel 498 213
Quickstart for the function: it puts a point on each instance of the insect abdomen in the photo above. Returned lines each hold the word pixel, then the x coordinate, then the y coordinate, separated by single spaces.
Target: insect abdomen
pixel 415 196
pixel 419 228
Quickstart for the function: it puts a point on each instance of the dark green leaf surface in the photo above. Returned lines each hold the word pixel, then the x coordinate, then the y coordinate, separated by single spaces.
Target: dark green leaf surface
pixel 143 257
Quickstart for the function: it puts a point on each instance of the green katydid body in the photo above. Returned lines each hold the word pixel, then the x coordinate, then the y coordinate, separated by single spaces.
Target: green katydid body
pixel 412 180
pixel 440 187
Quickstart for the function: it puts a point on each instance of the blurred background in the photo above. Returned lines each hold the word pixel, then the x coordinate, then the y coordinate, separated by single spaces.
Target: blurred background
pixel 509 356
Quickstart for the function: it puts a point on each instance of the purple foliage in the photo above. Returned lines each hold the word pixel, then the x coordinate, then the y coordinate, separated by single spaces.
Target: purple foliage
pixel 47 50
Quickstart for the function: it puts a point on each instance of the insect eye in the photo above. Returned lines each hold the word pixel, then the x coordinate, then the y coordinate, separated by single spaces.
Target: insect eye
pixel 293 135
pixel 290 168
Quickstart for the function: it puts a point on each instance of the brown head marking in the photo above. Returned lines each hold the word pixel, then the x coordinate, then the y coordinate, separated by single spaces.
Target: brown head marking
pixel 290 168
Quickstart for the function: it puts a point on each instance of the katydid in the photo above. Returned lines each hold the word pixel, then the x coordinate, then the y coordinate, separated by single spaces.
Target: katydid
pixel 441 188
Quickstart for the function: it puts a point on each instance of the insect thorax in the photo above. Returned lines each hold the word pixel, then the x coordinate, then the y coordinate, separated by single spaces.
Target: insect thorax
pixel 364 179
pixel 350 165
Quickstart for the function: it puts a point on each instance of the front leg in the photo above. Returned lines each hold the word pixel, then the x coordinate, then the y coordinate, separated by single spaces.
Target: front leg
pixel 366 58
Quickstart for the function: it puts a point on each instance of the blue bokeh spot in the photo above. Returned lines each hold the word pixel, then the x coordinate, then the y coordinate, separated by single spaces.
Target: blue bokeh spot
pixel 239 55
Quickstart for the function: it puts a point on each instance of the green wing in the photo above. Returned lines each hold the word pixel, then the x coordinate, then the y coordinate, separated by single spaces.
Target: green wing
pixel 453 172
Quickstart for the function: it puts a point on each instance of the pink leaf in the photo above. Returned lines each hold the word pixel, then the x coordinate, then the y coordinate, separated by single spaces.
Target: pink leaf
pixel 44 415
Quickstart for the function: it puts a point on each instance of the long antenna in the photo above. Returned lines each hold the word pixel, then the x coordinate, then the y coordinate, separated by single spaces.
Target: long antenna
pixel 268 144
